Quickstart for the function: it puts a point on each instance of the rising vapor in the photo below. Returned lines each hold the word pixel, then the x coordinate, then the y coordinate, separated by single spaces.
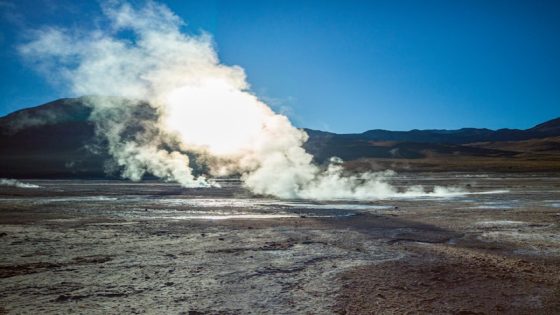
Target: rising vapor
pixel 16 183
pixel 171 95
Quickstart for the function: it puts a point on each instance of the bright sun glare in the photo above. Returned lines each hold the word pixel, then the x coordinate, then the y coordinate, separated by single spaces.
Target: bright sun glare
pixel 215 116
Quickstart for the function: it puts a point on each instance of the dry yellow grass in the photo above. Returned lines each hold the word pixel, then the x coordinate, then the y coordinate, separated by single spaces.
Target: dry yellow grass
pixel 524 163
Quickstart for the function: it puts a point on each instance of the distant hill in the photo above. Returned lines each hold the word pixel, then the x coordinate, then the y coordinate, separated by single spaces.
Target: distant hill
pixel 51 140
pixel 416 144
pixel 56 140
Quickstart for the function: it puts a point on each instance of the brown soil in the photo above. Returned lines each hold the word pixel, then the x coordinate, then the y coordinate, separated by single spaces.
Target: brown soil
pixel 74 247
pixel 441 279
pixel 533 163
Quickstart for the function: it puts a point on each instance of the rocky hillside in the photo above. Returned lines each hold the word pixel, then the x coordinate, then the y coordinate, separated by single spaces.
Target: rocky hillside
pixel 56 140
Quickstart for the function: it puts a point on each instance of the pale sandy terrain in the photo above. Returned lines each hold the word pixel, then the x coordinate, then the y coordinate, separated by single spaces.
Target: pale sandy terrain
pixel 116 247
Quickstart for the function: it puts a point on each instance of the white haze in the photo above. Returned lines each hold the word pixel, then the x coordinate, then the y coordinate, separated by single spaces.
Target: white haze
pixel 16 183
pixel 201 106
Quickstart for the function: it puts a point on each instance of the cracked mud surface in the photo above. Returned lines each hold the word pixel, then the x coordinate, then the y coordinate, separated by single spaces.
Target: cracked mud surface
pixel 115 247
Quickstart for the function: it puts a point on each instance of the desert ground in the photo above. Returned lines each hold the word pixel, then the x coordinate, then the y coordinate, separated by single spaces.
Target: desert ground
pixel 114 247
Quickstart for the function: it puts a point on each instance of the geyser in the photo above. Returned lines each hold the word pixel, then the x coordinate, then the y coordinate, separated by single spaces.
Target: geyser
pixel 174 96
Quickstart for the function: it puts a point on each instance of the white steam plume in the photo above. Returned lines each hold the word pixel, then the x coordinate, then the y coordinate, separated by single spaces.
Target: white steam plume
pixel 174 96
pixel 16 183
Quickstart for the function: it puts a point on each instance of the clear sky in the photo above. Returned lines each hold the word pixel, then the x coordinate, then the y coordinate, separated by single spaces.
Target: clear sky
pixel 350 66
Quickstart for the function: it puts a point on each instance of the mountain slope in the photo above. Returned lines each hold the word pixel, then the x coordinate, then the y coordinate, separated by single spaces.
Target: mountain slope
pixel 52 113
pixel 57 140
pixel 50 140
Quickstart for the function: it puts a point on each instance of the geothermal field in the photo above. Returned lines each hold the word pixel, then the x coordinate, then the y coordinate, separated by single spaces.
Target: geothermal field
pixel 490 245
pixel 159 178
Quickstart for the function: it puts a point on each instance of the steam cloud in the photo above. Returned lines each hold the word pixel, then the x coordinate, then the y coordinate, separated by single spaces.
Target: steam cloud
pixel 173 96
pixel 16 183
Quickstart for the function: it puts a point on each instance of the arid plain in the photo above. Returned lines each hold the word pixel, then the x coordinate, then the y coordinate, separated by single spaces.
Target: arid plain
pixel 74 246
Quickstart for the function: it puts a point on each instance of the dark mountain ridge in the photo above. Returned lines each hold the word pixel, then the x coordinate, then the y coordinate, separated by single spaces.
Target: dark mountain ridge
pixel 378 143
pixel 57 140
pixel 458 136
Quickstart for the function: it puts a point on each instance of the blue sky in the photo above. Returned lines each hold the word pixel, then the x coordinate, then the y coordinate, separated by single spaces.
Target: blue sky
pixel 350 66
